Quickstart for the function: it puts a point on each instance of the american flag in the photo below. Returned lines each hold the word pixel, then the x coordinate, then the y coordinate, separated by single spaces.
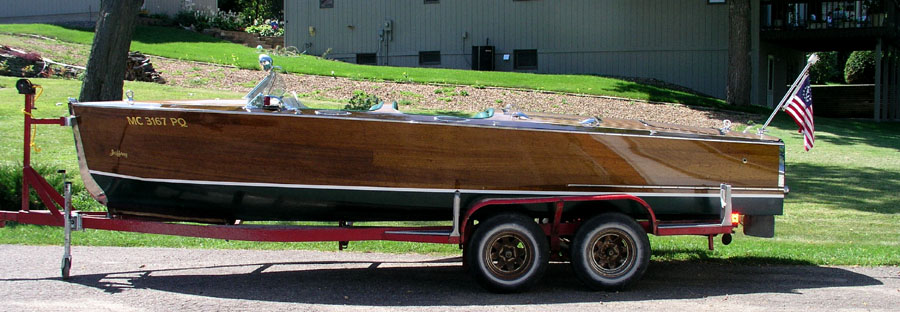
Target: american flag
pixel 800 108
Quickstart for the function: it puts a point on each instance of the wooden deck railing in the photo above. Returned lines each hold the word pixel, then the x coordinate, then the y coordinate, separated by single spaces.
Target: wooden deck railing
pixel 787 15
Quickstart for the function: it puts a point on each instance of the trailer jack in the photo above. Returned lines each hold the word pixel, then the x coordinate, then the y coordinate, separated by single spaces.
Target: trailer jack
pixel 67 232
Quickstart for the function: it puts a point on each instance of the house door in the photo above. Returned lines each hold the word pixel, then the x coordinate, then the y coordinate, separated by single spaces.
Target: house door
pixel 770 81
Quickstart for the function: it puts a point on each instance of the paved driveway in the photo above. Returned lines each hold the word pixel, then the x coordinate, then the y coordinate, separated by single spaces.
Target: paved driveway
pixel 159 279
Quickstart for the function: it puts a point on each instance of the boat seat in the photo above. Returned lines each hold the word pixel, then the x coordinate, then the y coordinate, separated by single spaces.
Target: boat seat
pixel 381 108
pixel 376 106
pixel 488 113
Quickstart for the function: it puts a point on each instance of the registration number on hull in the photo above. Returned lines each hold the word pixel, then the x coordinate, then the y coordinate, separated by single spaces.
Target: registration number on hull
pixel 156 121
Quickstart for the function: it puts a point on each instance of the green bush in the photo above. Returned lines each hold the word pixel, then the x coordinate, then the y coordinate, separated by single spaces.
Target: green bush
pixel 11 186
pixel 829 68
pixel 362 101
pixel 860 68
pixel 191 19
pixel 267 28
pixel 201 20
pixel 229 21
pixel 259 9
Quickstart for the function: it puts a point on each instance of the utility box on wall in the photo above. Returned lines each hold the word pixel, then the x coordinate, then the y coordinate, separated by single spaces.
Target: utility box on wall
pixel 482 57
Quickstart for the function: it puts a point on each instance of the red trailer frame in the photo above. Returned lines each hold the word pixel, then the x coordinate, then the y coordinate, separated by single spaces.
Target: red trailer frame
pixel 456 234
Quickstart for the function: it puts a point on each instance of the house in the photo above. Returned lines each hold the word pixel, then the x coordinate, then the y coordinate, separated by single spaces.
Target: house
pixel 55 11
pixel 44 11
pixel 684 42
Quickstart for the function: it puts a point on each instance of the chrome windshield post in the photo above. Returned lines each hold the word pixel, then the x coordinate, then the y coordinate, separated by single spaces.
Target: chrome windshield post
pixel 269 92
pixel 456 211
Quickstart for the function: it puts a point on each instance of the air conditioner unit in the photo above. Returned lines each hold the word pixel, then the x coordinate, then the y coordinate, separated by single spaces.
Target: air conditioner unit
pixel 482 57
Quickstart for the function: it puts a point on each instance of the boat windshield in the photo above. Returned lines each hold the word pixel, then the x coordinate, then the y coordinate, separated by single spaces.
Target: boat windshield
pixel 270 91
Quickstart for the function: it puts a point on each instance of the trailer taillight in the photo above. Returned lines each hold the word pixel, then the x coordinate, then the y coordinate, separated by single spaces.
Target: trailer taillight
pixel 735 219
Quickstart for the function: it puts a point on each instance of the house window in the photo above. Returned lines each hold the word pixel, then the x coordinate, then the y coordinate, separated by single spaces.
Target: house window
pixel 366 59
pixel 432 1
pixel 326 4
pixel 430 58
pixel 525 59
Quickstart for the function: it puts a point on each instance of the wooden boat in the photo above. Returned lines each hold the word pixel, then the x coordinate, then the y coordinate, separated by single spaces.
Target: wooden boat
pixel 268 158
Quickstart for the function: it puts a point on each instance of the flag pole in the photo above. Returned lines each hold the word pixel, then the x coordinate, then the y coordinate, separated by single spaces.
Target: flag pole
pixel 809 63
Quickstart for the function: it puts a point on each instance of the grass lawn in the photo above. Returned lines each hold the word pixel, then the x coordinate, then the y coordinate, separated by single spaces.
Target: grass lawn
pixel 181 44
pixel 843 208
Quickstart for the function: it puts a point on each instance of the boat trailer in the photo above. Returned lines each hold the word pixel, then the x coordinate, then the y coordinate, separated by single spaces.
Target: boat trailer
pixel 459 233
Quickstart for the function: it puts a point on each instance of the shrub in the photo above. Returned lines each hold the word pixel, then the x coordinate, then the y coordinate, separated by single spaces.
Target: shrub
pixel 229 21
pixel 194 19
pixel 860 68
pixel 362 101
pixel 829 68
pixel 11 186
pixel 267 28
pixel 201 20
pixel 259 9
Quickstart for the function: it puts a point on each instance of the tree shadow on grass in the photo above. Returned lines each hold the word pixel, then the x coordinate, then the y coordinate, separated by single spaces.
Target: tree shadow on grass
pixel 853 132
pixel 80 26
pixel 428 283
pixel 658 94
pixel 860 188
pixel 849 131
pixel 158 34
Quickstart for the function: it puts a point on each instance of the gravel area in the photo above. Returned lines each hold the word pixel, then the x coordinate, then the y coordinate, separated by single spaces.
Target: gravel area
pixel 442 97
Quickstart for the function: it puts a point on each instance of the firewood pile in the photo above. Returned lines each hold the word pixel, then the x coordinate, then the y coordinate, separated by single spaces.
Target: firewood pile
pixel 18 63
pixel 139 68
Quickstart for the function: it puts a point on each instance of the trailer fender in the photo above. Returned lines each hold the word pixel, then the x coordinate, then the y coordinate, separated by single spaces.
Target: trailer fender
pixel 465 229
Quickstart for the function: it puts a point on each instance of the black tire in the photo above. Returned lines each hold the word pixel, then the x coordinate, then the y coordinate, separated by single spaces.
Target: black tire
pixel 65 268
pixel 507 253
pixel 610 251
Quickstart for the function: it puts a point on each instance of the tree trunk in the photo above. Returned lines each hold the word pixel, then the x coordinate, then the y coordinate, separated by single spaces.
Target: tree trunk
pixel 112 38
pixel 739 71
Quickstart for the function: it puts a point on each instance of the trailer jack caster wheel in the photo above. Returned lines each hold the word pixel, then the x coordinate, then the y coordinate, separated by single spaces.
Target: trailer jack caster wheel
pixel 66 266
pixel 726 239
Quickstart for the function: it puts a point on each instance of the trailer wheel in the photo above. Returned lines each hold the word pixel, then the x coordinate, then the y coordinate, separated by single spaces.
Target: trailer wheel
pixel 610 251
pixel 66 267
pixel 507 253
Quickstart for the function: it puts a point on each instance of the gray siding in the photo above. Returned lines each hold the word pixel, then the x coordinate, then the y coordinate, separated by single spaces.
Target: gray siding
pixel 31 8
pixel 17 8
pixel 678 41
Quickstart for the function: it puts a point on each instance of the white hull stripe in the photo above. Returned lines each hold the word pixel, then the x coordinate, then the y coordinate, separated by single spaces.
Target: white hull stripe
pixel 420 190
pixel 680 187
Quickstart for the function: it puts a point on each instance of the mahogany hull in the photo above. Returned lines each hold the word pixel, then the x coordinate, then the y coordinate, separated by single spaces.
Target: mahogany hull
pixel 213 164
